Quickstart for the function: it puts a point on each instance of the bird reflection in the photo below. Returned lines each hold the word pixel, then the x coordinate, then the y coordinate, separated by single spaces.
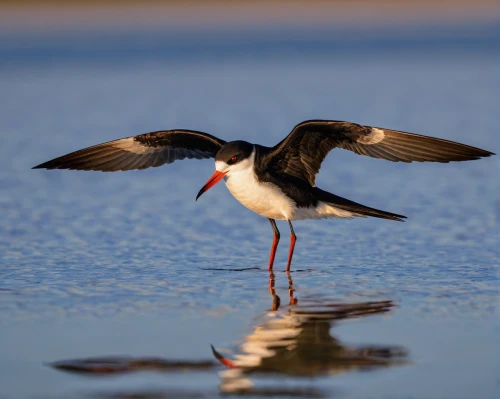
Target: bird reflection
pixel 294 339
pixel 297 340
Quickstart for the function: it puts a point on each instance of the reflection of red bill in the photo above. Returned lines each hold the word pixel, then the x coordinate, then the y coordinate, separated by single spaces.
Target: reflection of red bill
pixel 225 361
pixel 216 177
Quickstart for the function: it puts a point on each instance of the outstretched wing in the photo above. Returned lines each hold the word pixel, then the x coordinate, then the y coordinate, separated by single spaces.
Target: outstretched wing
pixel 301 153
pixel 140 152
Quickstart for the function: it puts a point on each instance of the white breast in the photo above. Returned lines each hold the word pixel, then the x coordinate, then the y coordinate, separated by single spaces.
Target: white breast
pixel 266 199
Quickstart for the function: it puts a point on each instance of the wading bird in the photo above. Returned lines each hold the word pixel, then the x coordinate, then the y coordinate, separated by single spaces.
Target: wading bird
pixel 277 182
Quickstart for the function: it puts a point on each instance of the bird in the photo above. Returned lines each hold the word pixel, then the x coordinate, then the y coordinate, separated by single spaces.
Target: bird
pixel 278 182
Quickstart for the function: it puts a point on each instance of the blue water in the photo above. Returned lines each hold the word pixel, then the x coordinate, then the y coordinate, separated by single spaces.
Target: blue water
pixel 95 264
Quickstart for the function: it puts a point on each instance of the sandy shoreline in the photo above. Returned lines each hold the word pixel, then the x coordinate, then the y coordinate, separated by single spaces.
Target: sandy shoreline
pixel 53 16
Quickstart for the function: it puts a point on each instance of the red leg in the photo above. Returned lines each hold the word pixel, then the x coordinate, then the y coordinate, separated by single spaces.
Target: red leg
pixel 276 240
pixel 293 238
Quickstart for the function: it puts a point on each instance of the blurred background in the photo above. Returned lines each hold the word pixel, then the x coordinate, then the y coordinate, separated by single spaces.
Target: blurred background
pixel 96 264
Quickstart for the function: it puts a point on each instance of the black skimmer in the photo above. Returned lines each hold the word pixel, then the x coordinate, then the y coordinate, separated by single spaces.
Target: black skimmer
pixel 277 182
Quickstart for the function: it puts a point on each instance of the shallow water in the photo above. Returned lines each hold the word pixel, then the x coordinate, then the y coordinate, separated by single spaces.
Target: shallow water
pixel 128 264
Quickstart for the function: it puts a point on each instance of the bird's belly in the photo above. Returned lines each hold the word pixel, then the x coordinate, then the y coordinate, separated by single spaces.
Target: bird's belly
pixel 266 199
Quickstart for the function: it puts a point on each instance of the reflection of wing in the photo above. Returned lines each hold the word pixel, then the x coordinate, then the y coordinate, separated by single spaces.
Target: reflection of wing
pixel 126 364
pixel 301 153
pixel 140 152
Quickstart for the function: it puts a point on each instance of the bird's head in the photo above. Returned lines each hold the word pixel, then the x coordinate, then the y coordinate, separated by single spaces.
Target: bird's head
pixel 233 157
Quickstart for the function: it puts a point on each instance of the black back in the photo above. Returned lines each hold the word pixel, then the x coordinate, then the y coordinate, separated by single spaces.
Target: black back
pixel 269 171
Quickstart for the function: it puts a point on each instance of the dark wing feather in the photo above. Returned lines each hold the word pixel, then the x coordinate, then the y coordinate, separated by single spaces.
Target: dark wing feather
pixel 140 152
pixel 301 153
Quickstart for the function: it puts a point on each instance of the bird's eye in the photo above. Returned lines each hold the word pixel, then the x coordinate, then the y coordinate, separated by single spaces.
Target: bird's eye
pixel 233 159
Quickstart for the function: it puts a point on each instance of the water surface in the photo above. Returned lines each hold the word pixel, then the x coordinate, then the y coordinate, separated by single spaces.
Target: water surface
pixel 128 264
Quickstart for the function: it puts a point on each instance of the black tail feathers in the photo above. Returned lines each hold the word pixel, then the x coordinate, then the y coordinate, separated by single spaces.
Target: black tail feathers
pixel 351 206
